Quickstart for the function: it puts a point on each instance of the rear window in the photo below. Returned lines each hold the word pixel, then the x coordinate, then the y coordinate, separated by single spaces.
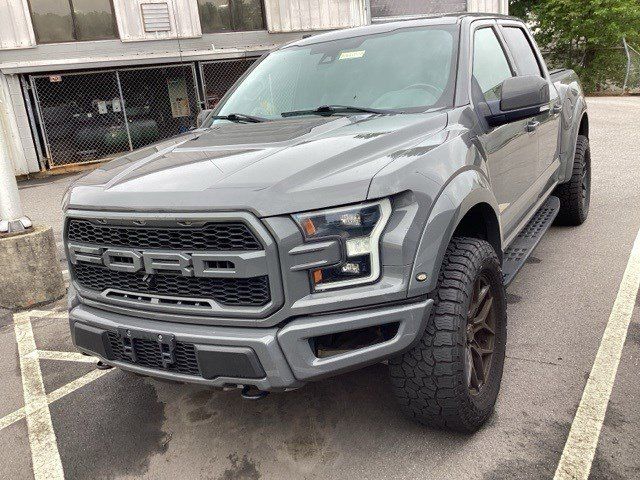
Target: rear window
pixel 523 54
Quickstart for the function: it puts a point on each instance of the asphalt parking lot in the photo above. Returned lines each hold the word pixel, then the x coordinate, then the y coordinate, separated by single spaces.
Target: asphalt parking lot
pixel 109 424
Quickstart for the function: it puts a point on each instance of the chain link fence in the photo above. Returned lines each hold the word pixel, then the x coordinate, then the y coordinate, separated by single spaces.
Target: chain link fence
pixel 92 116
pixel 219 76
pixel 606 71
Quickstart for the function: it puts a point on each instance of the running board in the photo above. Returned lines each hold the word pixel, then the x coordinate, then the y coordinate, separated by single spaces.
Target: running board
pixel 527 240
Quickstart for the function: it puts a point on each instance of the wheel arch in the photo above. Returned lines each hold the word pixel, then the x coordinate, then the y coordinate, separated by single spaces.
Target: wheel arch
pixel 579 126
pixel 466 206
pixel 481 221
pixel 583 128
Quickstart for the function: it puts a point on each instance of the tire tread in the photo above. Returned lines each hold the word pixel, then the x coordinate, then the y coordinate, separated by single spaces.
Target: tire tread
pixel 570 193
pixel 429 379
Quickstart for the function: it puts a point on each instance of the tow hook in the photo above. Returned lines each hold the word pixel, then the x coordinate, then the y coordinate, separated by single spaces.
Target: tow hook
pixel 103 366
pixel 249 392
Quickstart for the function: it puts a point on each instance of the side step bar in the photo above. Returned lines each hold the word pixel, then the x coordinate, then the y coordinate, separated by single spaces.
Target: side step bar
pixel 527 240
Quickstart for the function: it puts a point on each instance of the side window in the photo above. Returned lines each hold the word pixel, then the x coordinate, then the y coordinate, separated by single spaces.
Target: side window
pixel 522 52
pixel 490 65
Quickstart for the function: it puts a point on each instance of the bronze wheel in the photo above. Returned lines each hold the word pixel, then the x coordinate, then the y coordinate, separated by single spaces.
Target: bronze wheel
pixel 480 337
pixel 451 377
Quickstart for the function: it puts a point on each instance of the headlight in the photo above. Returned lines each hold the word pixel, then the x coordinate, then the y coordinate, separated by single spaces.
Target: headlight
pixel 358 228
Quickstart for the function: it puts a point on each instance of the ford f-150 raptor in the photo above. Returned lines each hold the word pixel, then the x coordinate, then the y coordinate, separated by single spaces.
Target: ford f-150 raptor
pixel 358 196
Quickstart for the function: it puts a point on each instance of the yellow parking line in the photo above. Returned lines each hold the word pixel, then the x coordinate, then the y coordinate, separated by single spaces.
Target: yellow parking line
pixel 42 439
pixel 577 457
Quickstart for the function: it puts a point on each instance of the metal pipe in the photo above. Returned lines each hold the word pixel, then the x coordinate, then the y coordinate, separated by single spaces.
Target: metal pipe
pixel 12 218
pixel 124 111
pixel 626 52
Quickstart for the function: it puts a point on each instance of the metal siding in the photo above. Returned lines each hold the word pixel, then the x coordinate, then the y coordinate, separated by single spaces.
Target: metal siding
pixel 16 30
pixel 381 9
pixel 131 25
pixel 109 53
pixel 308 15
pixel 488 6
pixel 19 138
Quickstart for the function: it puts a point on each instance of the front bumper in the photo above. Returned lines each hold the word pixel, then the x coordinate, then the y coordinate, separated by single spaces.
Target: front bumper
pixel 267 358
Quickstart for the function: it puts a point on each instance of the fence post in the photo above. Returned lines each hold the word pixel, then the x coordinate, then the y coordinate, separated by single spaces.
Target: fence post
pixel 626 77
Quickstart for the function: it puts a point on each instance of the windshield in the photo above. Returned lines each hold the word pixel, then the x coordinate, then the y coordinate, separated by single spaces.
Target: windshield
pixel 409 69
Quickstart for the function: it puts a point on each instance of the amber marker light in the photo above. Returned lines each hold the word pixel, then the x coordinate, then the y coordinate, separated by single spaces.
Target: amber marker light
pixel 309 227
pixel 317 276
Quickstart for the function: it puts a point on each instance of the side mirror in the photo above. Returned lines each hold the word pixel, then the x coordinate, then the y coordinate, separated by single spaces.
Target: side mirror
pixel 521 97
pixel 202 116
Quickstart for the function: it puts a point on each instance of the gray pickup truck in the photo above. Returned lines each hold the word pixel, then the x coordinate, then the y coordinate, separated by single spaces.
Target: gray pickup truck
pixel 358 196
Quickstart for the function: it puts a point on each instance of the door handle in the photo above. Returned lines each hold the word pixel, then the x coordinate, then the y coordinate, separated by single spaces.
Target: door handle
pixel 557 108
pixel 532 125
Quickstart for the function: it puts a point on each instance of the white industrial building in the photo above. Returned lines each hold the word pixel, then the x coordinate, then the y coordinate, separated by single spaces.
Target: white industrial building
pixel 85 80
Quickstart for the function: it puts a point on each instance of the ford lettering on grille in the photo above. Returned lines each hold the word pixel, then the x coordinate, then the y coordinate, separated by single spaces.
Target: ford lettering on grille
pixel 197 264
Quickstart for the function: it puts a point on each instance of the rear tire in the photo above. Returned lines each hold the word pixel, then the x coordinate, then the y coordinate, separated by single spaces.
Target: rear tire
pixel 437 382
pixel 575 195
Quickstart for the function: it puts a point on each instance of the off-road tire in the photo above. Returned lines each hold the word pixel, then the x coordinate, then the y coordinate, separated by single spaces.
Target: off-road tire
pixel 575 194
pixel 429 380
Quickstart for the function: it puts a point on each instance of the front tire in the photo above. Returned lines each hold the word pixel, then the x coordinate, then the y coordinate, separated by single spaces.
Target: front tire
pixel 451 378
pixel 575 195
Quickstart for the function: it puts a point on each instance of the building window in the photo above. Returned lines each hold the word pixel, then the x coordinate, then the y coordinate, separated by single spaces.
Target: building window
pixel 56 21
pixel 230 15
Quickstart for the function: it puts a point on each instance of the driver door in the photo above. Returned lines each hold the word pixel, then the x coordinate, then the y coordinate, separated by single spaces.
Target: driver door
pixel 512 149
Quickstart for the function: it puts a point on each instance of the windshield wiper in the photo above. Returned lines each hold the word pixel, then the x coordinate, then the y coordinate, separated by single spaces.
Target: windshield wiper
pixel 333 109
pixel 238 117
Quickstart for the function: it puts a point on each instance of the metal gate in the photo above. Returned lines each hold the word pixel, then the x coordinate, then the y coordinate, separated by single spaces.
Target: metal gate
pixel 220 75
pixel 93 116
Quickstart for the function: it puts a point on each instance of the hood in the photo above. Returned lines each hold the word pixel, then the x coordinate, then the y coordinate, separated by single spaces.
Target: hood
pixel 268 168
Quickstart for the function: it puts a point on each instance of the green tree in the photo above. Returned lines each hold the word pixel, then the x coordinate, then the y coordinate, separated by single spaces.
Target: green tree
pixel 585 35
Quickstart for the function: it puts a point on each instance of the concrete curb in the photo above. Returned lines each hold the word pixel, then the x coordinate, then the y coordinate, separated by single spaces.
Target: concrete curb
pixel 30 271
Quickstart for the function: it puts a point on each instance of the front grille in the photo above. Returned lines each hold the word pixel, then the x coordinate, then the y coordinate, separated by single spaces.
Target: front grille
pixel 212 236
pixel 234 292
pixel 148 354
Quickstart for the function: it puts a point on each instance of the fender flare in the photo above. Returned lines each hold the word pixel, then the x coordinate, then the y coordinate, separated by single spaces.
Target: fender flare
pixel 466 190
pixel 579 112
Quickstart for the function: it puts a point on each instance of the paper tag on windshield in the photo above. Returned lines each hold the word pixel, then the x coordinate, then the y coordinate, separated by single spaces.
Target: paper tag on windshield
pixel 350 55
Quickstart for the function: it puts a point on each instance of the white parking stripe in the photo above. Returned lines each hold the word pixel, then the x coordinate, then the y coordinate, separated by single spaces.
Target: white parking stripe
pixel 76 384
pixel 42 438
pixel 66 356
pixel 582 442
pixel 55 395
pixel 12 418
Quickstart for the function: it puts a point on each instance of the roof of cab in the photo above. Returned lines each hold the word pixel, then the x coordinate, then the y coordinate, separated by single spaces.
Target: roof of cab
pixel 393 24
